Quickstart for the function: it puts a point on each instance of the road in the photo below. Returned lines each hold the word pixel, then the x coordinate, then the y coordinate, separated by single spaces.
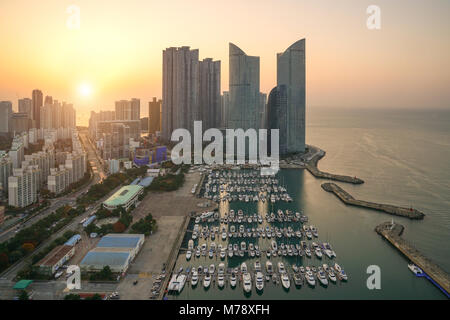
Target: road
pixel 70 199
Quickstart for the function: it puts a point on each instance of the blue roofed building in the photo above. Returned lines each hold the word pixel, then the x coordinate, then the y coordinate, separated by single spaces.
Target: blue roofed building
pixel 113 250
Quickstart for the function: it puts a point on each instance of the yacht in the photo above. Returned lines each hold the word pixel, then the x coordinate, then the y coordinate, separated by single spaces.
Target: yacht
pixel 212 268
pixel 243 267
pixel 298 280
pixel 224 236
pixel 220 280
pixel 274 245
pixel 190 244
pixel 188 255
pixel 177 282
pixel 194 279
pixel 318 253
pixel 223 253
pixel 257 266
pixel 233 280
pixel 310 278
pixel 285 280
pixel 259 281
pixel 269 266
pixel 343 275
pixel 322 277
pixel 308 252
pixel 281 268
pixel 206 280
pixel 332 275
pixel 337 267
pixel 247 282
pixel 414 269
pixel 243 246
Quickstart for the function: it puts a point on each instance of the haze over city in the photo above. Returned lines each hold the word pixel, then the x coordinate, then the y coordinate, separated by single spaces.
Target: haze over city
pixel 117 52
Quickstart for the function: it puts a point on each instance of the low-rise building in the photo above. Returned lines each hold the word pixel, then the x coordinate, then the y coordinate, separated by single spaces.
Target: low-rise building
pixel 125 197
pixel 55 259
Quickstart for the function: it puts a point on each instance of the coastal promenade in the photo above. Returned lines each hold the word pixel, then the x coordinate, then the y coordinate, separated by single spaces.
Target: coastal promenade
pixel 392 233
pixel 311 166
pixel 394 210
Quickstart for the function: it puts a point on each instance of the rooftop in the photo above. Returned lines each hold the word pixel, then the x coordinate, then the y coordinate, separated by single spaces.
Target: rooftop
pixel 54 256
pixel 22 284
pixel 105 258
pixel 123 195
pixel 119 241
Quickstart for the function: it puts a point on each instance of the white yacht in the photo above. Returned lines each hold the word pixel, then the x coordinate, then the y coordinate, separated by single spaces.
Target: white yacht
pixel 274 245
pixel 332 275
pixel 257 266
pixel 194 279
pixel 243 267
pixel 233 280
pixel 177 282
pixel 310 278
pixel 247 282
pixel 212 268
pixel 337 267
pixel 188 255
pixel 221 280
pixel 414 269
pixel 322 277
pixel 318 253
pixel 223 253
pixel 285 280
pixel 259 281
pixel 206 280
pixel 281 268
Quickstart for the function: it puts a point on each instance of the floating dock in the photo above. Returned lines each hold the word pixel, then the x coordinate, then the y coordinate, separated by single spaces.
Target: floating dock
pixel 311 166
pixel 392 233
pixel 394 210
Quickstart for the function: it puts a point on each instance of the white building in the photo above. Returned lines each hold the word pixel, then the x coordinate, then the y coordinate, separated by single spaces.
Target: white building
pixel 5 116
pixel 6 169
pixel 17 151
pixel 23 186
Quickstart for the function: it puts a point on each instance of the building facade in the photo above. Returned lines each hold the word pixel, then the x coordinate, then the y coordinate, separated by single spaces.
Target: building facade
pixel 38 101
pixel 154 116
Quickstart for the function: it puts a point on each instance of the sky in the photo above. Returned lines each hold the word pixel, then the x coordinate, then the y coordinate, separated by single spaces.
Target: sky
pixel 117 51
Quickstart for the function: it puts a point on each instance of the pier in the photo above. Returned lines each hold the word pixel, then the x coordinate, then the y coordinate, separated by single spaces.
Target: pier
pixel 390 209
pixel 392 232
pixel 311 166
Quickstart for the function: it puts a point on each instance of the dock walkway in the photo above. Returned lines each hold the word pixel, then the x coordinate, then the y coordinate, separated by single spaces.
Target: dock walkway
pixel 391 209
pixel 392 233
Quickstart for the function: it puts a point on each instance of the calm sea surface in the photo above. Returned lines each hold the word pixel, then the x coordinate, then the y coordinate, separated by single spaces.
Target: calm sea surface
pixel 404 159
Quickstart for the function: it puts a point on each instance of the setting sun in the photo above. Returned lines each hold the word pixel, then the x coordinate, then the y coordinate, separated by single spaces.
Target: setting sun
pixel 85 89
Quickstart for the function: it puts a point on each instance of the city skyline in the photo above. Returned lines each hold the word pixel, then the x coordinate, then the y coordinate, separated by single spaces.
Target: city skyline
pixel 349 65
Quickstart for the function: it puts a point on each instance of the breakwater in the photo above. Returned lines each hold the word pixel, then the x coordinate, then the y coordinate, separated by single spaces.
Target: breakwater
pixel 311 166
pixel 392 232
pixel 391 209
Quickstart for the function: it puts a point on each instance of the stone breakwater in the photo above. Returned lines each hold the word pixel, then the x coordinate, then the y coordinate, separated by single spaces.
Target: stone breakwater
pixel 391 209
pixel 392 233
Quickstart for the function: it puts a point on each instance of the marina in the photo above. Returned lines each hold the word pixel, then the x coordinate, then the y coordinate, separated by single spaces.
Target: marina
pixel 253 245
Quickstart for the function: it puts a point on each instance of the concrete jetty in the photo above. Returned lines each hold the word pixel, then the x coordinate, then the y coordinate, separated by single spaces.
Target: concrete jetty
pixel 394 210
pixel 311 166
pixel 392 233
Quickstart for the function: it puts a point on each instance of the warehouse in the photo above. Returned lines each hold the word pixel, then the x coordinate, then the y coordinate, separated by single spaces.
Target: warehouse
pixel 125 197
pixel 55 259
pixel 113 250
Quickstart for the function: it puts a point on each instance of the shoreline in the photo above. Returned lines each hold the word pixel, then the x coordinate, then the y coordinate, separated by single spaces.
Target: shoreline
pixel 348 199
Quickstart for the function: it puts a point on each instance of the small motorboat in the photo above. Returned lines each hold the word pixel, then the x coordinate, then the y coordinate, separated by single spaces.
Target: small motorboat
pixel 285 280
pixel 194 279
pixel 206 280
pixel 298 280
pixel 188 255
pixel 414 269
pixel 259 281
pixel 233 280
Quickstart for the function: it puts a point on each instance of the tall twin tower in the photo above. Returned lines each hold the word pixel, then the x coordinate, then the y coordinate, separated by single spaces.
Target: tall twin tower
pixel 191 91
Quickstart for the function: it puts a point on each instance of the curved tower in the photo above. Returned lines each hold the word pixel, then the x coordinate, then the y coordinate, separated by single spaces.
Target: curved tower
pixel 291 73
pixel 244 94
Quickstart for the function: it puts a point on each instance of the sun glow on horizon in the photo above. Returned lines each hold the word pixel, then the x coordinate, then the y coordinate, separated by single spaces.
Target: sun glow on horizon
pixel 85 89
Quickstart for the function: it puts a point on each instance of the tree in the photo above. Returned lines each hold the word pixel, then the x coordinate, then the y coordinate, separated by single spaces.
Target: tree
pixel 119 227
pixel 28 247
pixel 23 295
pixel 72 296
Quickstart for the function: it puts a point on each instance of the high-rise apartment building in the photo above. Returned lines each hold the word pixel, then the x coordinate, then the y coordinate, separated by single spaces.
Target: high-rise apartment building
pixel 26 106
pixel 5 116
pixel 209 93
pixel 23 186
pixel 16 153
pixel 180 90
pixel 154 116
pixel 37 98
pixel 128 110
pixel 6 169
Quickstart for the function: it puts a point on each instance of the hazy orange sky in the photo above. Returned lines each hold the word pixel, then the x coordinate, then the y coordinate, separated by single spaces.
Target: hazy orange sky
pixel 118 48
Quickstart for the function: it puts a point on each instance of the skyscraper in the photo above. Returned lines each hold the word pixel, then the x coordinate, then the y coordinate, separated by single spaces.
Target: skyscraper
pixel 224 108
pixel 180 90
pixel 5 116
pixel 209 93
pixel 128 110
pixel 154 114
pixel 291 73
pixel 243 90
pixel 26 106
pixel 37 104
pixel 277 116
